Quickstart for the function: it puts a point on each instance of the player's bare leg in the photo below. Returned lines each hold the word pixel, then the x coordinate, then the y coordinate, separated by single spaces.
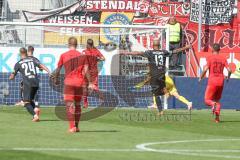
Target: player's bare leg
pixel 211 104
pixel 37 106
pixel 154 105
pixel 30 109
pixel 216 107
pixel 210 98
pixel 97 91
pixel 20 103
pixel 37 111
pixel 183 100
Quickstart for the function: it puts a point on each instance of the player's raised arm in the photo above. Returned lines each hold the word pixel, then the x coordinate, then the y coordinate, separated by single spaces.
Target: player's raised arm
pixel 130 53
pixel 181 49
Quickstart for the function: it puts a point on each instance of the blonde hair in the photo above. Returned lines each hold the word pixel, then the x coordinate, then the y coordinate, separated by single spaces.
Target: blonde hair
pixel 72 41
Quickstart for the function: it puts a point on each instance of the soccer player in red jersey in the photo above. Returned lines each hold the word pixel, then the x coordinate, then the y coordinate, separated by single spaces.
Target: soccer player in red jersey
pixel 94 56
pixel 76 74
pixel 213 93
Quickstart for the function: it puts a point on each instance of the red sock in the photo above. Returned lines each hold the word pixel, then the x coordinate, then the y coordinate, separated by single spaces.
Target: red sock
pixel 218 109
pixel 77 115
pixel 85 100
pixel 70 115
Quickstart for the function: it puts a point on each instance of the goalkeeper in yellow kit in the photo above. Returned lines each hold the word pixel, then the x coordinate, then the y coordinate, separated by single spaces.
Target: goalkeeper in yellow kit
pixel 170 90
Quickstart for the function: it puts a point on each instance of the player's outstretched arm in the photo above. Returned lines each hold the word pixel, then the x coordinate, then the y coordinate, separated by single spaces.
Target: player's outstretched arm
pixel 43 67
pixel 181 49
pixel 131 53
pixel 203 73
pixel 141 84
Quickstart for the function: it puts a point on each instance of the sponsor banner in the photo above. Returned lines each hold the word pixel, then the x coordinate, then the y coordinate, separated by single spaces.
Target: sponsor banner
pixel 59 35
pixel 227 35
pixel 50 56
pixel 179 9
pixel 78 17
pixel 216 14
pixel 33 16
pixel 213 11
pixel 118 5
pixel 113 34
pixel 141 6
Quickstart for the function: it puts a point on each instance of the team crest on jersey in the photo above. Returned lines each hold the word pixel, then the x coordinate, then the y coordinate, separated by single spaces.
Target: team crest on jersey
pixel 113 34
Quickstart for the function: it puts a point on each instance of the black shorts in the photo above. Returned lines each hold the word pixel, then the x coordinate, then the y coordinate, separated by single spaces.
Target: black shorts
pixel 29 93
pixel 158 85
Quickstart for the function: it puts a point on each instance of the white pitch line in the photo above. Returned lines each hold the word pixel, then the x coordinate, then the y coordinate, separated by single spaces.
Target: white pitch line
pixel 206 155
pixel 144 148
pixel 72 149
pixel 189 152
pixel 201 150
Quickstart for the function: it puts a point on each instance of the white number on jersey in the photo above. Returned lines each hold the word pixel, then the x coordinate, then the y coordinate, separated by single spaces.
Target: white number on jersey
pixel 29 68
pixel 159 59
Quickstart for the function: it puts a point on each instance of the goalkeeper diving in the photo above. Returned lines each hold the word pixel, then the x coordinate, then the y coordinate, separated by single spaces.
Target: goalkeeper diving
pixel 157 69
pixel 169 90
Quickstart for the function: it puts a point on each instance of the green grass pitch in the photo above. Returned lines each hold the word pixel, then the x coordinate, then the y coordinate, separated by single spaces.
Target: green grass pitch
pixel 112 137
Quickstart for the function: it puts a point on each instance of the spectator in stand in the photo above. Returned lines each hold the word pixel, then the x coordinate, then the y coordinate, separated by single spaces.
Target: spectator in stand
pixel 175 41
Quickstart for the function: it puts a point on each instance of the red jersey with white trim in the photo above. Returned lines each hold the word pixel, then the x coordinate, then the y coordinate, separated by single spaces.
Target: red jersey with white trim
pixel 216 64
pixel 73 62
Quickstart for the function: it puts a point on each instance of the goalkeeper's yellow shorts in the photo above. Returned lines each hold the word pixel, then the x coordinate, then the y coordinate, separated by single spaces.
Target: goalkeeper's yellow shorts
pixel 170 86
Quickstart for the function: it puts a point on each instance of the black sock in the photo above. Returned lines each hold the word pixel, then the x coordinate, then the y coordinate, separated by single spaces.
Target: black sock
pixel 33 104
pixel 159 103
pixel 30 109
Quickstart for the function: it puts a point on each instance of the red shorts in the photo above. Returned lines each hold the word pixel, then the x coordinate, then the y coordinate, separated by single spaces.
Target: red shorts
pixel 213 93
pixel 73 93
